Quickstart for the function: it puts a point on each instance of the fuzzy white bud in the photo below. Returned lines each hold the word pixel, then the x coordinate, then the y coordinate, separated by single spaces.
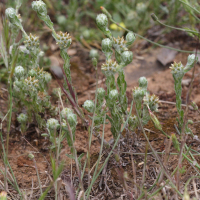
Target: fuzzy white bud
pixel 89 105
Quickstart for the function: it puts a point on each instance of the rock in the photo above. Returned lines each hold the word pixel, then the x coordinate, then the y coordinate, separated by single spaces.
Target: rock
pixel 166 56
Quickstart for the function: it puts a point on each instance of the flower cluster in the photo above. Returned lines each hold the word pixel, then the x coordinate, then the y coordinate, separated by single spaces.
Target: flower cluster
pixel 63 40
pixel 32 43
pixel 110 67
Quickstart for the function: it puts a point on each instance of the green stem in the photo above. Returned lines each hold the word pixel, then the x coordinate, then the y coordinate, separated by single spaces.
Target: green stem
pixel 180 29
pixel 122 88
pixel 90 130
pixel 155 43
pixel 190 6
pixel 66 66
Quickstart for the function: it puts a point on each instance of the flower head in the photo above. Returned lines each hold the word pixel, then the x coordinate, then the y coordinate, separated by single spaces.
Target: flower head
pixel 177 69
pixel 32 43
pixel 63 40
pixel 152 102
pixel 110 67
pixel 119 44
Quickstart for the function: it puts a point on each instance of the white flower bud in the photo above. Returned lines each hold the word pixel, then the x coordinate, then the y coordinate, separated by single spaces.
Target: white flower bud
pixel 89 105
pixel 101 93
pixel 94 54
pixel 52 124
pixel 191 59
pixel 22 118
pixel 102 20
pixel 106 46
pixel 13 18
pixel 143 82
pixel 130 38
pixel 190 62
pixel 72 119
pixel 39 7
pixel 113 95
pixel 65 112
pixel 127 57
pixel 19 72
pixel 10 13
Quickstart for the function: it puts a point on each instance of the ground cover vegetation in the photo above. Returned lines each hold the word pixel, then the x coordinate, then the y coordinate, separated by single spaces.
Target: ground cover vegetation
pixel 109 110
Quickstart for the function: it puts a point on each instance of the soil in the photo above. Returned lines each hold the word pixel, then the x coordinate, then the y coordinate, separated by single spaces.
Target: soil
pixel 160 83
